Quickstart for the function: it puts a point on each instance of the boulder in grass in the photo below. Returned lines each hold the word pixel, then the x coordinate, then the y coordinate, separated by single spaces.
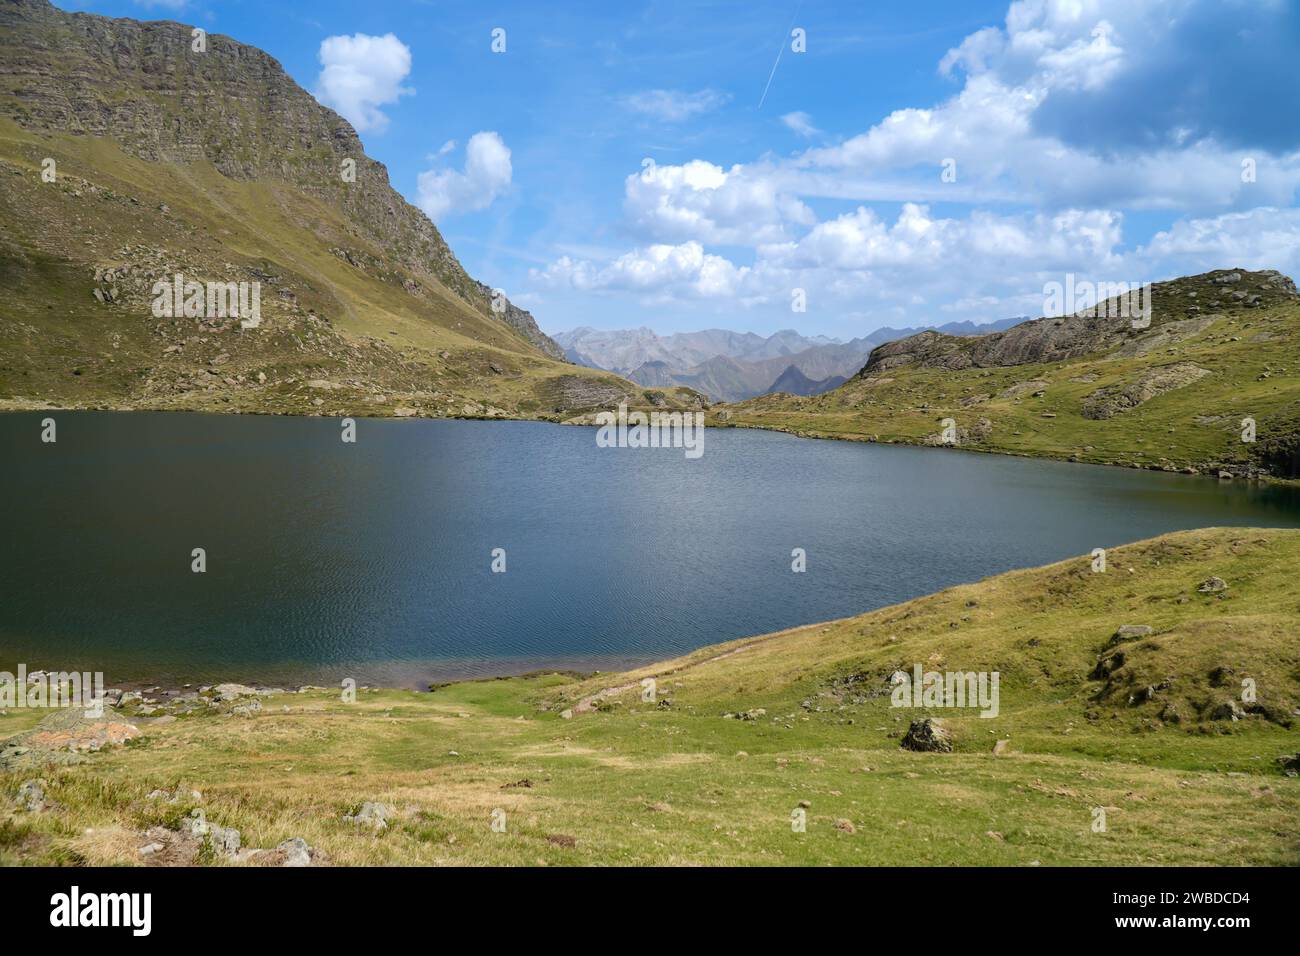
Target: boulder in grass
pixel 1130 632
pixel 224 840
pixel 1228 710
pixel 372 814
pixel 928 735
pixel 293 852
pixel 1213 585
pixel 31 796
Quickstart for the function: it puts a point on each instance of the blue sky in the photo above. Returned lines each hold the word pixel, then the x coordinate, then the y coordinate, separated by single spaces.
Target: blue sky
pixel 1114 139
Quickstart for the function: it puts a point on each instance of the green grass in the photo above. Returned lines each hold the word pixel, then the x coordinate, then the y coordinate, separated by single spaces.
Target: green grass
pixel 640 783
pixel 355 326
pixel 1253 356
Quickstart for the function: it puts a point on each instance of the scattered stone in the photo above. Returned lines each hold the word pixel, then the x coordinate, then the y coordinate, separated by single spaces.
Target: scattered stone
pixel 64 736
pixel 1108 402
pixel 1228 710
pixel 1130 632
pixel 1142 696
pixel 246 710
pixel 845 826
pixel 1213 585
pixel 371 814
pixel 31 796
pixel 292 852
pixel 561 839
pixel 929 735
pixel 224 840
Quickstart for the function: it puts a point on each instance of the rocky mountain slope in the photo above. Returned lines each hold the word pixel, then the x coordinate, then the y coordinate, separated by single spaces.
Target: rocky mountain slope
pixel 623 350
pixel 724 365
pixel 1221 351
pixel 794 382
pixel 733 366
pixel 128 157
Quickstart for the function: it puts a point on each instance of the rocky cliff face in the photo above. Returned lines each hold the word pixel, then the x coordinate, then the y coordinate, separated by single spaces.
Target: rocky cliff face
pixel 144 86
pixel 1179 309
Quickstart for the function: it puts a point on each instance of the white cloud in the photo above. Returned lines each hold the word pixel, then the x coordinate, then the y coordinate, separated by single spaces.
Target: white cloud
pixel 1043 119
pixel 800 123
pixel 979 258
pixel 487 175
pixel 1263 238
pixel 360 74
pixel 663 271
pixel 923 248
pixel 674 106
pixel 919 267
pixel 698 200
pixel 1013 131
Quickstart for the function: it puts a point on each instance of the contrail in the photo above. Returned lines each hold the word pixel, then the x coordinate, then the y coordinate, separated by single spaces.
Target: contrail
pixel 779 51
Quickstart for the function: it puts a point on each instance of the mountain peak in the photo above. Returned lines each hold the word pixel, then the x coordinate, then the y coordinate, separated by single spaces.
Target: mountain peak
pixel 284 134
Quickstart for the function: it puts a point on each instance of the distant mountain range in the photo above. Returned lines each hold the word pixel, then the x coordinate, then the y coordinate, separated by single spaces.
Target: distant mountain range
pixel 733 366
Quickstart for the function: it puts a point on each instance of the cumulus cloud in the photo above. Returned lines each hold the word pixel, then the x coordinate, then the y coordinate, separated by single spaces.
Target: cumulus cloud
pixel 979 258
pixel 699 200
pixel 487 174
pixel 359 74
pixel 1090 102
pixel 667 271
pixel 924 246
pixel 1160 71
pixel 1263 238
pixel 674 106
pixel 1079 110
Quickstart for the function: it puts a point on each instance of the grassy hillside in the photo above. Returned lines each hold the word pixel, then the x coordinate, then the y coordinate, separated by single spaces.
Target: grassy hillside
pixel 336 338
pixel 1171 397
pixel 742 734
pixel 219 167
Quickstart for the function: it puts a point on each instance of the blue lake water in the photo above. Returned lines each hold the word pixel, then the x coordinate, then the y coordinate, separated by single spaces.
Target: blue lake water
pixel 373 560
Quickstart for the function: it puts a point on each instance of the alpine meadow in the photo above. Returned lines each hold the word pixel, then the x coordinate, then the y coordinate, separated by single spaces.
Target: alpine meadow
pixel 651 435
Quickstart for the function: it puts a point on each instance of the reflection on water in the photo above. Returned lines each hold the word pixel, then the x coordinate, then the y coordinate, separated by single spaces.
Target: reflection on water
pixel 372 560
